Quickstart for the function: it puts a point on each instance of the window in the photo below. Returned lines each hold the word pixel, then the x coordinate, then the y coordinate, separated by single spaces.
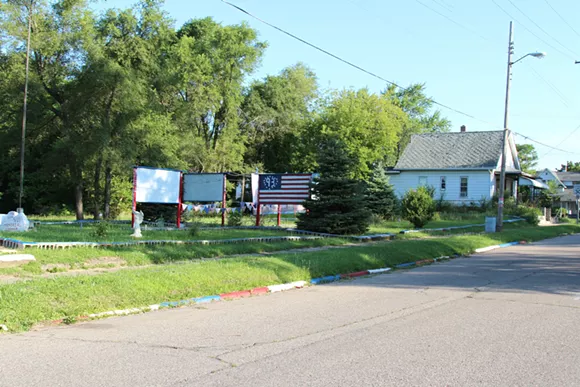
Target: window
pixel 443 183
pixel 463 187
pixel 422 181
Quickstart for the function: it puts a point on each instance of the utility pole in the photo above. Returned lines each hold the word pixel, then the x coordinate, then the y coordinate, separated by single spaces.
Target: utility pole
pixel 21 192
pixel 500 202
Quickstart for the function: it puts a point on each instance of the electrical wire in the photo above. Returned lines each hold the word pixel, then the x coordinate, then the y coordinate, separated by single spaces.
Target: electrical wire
pixel 540 27
pixel 532 32
pixel 561 17
pixel 451 20
pixel 552 86
pixel 383 79
pixel 354 65
pixel 564 140
pixel 543 144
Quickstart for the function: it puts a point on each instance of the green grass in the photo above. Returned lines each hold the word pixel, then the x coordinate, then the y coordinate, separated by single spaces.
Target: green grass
pixel 121 233
pixel 79 258
pixel 24 304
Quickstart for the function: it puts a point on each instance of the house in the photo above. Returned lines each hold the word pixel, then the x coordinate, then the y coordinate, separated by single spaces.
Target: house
pixel 463 167
pixel 565 181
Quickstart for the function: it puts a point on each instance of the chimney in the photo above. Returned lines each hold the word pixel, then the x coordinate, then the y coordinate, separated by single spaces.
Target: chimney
pixel 463 128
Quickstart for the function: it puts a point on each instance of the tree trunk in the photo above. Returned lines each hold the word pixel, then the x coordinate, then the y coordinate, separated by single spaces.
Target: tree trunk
pixel 97 188
pixel 107 193
pixel 79 200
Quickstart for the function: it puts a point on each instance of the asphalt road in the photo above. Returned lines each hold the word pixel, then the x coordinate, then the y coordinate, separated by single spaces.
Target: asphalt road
pixel 505 318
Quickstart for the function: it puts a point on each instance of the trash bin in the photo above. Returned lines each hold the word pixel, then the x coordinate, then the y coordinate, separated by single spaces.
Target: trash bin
pixel 490 223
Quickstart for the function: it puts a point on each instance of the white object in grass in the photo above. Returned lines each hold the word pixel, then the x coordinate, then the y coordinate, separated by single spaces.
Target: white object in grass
pixel 137 225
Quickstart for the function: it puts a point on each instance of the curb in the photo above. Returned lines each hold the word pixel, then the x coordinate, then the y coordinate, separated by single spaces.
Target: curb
pixel 275 288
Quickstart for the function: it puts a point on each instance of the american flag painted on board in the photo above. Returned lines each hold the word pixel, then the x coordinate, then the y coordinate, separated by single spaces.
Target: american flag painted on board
pixel 284 188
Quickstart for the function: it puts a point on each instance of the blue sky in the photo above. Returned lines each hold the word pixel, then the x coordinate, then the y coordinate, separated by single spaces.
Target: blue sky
pixel 461 56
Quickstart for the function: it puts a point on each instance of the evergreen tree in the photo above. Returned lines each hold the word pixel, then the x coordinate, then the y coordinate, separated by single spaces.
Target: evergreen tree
pixel 418 207
pixel 380 196
pixel 337 205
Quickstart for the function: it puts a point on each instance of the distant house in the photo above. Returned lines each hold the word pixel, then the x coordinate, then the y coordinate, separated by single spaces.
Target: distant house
pixel 565 197
pixel 463 167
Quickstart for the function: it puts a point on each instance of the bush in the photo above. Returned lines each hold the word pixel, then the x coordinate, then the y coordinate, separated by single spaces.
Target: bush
pixel 530 214
pixel 193 229
pixel 418 207
pixel 560 212
pixel 235 219
pixel 102 230
pixel 380 196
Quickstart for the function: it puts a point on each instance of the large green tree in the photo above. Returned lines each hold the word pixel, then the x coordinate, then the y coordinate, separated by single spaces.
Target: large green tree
pixel 367 124
pixel 422 117
pixel 208 65
pixel 528 157
pixel 274 114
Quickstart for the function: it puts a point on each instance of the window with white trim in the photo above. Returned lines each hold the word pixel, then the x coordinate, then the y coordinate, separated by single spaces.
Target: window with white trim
pixel 463 187
pixel 443 183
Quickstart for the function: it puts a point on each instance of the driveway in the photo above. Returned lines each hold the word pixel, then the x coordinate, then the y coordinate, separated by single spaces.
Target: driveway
pixel 508 317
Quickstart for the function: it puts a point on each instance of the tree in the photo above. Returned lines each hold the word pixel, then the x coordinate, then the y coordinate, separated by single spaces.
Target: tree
pixel 419 109
pixel 274 114
pixel 418 207
pixel 570 166
pixel 380 196
pixel 337 205
pixel 528 157
pixel 367 125
pixel 207 66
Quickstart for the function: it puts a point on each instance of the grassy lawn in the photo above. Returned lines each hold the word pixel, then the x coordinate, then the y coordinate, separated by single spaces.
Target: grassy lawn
pixel 24 304
pixel 88 258
pixel 122 232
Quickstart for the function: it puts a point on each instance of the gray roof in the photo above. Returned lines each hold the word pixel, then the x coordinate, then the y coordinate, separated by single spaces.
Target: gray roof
pixel 457 150
pixel 568 176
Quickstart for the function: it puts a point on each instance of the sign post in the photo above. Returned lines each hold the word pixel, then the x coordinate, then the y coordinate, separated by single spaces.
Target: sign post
pixel 577 193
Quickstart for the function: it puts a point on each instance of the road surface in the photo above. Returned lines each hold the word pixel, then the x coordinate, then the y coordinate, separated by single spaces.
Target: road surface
pixel 505 318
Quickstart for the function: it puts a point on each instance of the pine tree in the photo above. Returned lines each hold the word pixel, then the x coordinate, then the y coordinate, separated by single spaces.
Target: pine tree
pixel 337 205
pixel 380 196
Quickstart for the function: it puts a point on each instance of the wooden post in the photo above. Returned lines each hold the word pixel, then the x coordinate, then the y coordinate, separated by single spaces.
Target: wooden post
pixel 224 203
pixel 258 214
pixel 180 200
pixel 279 214
pixel 134 206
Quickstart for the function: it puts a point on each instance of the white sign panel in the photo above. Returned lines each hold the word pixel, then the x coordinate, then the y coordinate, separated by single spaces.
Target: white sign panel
pixel 157 186
pixel 203 187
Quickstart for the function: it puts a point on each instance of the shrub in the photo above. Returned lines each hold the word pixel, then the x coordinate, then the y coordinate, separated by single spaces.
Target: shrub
pixel 102 229
pixel 418 207
pixel 380 196
pixel 235 219
pixel 530 214
pixel 560 212
pixel 193 229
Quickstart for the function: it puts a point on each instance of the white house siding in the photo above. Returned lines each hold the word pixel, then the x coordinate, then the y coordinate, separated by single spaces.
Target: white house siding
pixel 480 184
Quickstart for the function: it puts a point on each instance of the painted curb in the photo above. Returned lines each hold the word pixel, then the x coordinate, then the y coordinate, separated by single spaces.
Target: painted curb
pixel 275 288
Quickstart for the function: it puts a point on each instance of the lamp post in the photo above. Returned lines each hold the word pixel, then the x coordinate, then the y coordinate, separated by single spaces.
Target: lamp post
pixel 510 63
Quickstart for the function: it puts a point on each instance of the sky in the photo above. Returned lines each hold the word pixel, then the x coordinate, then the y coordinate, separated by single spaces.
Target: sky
pixel 458 48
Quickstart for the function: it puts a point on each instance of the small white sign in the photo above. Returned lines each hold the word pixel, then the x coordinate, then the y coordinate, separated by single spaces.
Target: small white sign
pixel 577 190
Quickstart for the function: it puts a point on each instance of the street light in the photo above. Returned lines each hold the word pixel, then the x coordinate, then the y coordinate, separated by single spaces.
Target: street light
pixel 510 63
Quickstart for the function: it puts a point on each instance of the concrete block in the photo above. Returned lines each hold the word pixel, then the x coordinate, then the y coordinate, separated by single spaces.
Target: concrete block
pixel 15 260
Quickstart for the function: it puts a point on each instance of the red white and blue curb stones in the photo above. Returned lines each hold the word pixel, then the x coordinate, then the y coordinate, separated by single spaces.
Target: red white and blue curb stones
pixel 275 288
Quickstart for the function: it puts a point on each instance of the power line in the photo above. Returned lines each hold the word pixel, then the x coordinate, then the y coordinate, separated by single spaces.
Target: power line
pixel 532 32
pixel 561 17
pixel 564 140
pixel 450 19
pixel 541 29
pixel 381 78
pixel 352 64
pixel 552 86
pixel 543 144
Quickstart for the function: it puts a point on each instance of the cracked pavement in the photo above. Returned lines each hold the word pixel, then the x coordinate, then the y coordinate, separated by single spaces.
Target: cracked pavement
pixel 508 317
